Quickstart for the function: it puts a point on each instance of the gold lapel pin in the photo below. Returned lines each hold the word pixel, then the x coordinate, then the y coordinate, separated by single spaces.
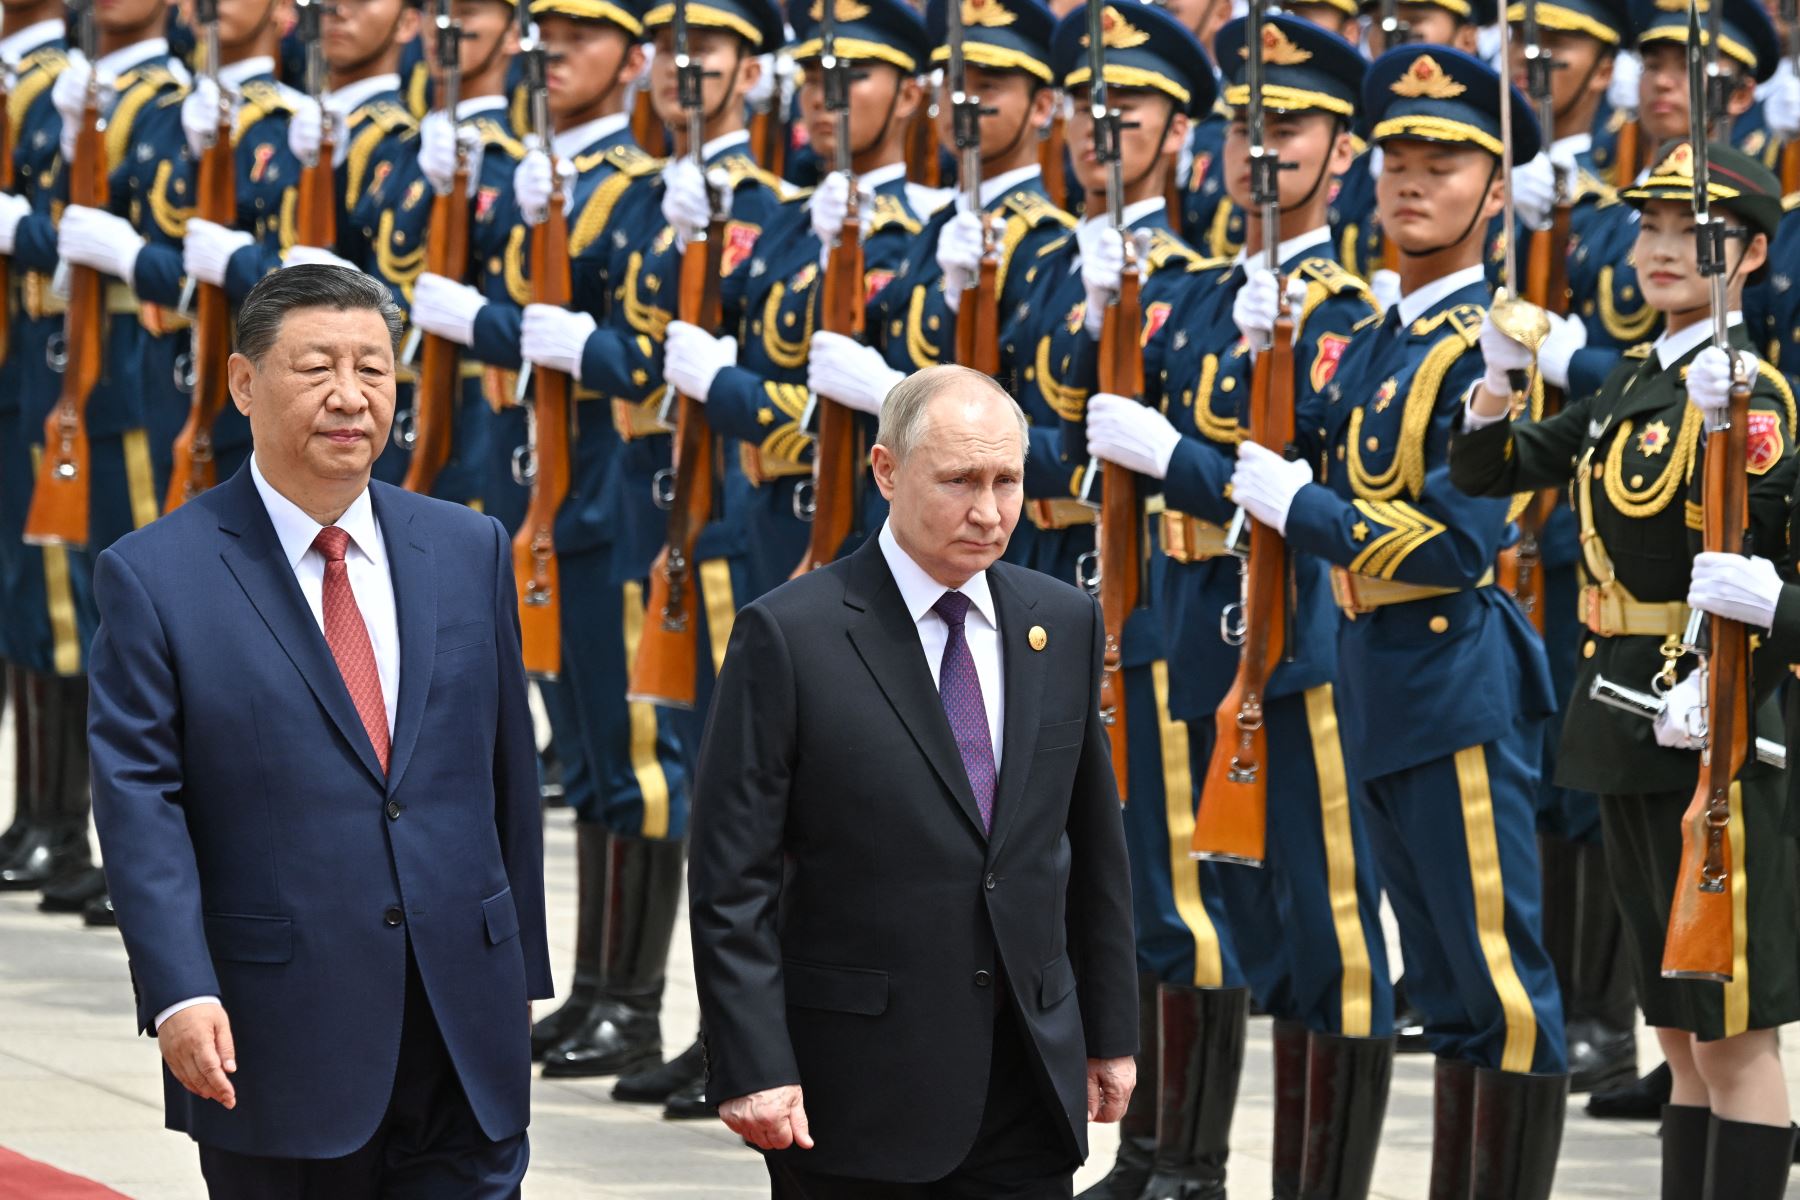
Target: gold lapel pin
pixel 1037 637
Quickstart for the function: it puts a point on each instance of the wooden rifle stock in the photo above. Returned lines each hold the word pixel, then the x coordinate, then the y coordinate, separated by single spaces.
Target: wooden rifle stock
pixel 646 127
pixel 668 653
pixel 837 451
pixel 1232 824
pixel 435 397
pixel 923 164
pixel 534 545
pixel 768 138
pixel 1119 536
pixel 316 202
pixel 194 469
pixel 978 319
pixel 1050 158
pixel 59 503
pixel 1700 941
pixel 1790 168
pixel 1626 153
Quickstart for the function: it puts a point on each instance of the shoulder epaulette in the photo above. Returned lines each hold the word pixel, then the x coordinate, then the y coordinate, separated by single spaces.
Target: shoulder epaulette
pixel 1641 350
pixel 263 98
pixel 44 58
pixel 37 72
pixel 136 90
pixel 742 169
pixel 386 114
pixel 1035 209
pixel 493 133
pixel 1166 248
pixel 890 213
pixel 1587 184
pixel 797 195
pixel 1467 320
pixel 1332 276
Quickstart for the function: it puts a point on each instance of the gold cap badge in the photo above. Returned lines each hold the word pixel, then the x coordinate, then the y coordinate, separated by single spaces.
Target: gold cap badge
pixel 990 13
pixel 1278 49
pixel 1426 78
pixel 843 10
pixel 1037 637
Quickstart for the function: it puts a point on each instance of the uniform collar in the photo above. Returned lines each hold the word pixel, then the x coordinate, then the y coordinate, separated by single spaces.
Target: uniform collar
pixel 1132 213
pixel 352 96
pixel 571 142
pixel 296 530
pixel 1671 348
pixel 872 181
pixel 1000 185
pixel 1417 303
pixel 1573 146
pixel 132 57
pixel 919 591
pixel 719 145
pixel 477 105
pixel 233 76
pixel 1293 247
pixel 15 46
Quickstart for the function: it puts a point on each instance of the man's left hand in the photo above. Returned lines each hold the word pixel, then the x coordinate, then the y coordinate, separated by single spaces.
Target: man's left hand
pixel 775 1118
pixel 1109 1085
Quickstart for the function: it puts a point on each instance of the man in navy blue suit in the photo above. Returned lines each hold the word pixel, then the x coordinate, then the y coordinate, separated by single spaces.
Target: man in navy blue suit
pixel 315 784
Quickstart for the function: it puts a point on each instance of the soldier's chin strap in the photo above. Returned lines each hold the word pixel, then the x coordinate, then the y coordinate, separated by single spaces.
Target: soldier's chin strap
pixel 487 60
pixel 1018 136
pixel 887 121
pixel 1155 159
pixel 1337 125
pixel 1467 229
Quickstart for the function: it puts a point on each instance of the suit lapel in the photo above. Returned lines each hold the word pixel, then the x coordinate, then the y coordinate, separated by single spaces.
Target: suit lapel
pixel 888 642
pixel 1022 669
pixel 255 558
pixel 414 572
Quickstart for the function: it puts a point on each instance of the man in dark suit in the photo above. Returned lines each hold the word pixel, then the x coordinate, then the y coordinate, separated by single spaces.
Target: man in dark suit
pixel 315 784
pixel 908 889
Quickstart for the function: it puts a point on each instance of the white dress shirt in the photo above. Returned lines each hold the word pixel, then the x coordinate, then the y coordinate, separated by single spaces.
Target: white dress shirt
pixel 919 591
pixel 571 142
pixel 352 96
pixel 15 46
pixel 373 586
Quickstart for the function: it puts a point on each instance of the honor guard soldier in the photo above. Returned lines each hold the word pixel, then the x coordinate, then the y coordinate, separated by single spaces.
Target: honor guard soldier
pixel 755 382
pixel 1305 927
pixel 626 275
pixel 1412 568
pixel 1637 447
pixel 594 49
pixel 43 638
pixel 1604 289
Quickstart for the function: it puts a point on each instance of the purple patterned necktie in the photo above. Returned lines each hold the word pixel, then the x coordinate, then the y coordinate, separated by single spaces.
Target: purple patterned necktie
pixel 960 689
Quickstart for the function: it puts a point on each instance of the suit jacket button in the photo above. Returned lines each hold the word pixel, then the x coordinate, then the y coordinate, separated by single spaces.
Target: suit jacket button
pixel 393 917
pixel 989 882
pixel 983 979
pixel 393 810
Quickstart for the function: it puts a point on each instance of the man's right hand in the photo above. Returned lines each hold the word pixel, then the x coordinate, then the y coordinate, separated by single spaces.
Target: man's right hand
pixel 196 1043
pixel 769 1120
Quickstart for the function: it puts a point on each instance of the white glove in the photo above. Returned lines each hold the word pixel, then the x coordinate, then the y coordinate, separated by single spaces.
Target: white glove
pixel 1781 101
pixel 1534 191
pixel 1501 354
pixel 1681 724
pixel 300 256
pixel 1265 484
pixel 200 114
pixel 1257 304
pixel 1101 265
pixel 1709 381
pixel 1567 335
pixel 69 93
pixel 959 255
pixel 306 132
pixel 763 90
pixel 92 237
pixel 445 308
pixel 1622 92
pixel 1376 159
pixel 207 249
pixel 831 204
pixel 438 140
pixel 554 337
pixel 693 358
pixel 845 370
pixel 685 203
pixel 1135 436
pixel 533 185
pixel 1385 286
pixel 1735 587
pixel 13 209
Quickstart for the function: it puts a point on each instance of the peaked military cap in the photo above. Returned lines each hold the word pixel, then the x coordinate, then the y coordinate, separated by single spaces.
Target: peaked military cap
pixel 1436 94
pixel 1000 35
pixel 1469 12
pixel 1305 68
pixel 1146 47
pixel 623 13
pixel 1746 35
pixel 889 31
pixel 1735 182
pixel 1606 21
pixel 758 22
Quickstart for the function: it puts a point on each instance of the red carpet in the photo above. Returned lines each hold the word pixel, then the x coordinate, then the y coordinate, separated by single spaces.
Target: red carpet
pixel 22 1178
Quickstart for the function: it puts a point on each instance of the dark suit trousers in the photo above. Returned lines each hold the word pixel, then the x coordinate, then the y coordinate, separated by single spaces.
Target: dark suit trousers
pixel 429 1146
pixel 1022 1151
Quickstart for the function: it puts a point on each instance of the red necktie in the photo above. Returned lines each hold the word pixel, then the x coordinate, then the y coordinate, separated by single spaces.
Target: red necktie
pixel 348 638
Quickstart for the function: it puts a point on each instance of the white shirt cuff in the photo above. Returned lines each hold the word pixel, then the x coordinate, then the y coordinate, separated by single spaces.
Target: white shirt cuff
pixel 170 1011
pixel 1473 420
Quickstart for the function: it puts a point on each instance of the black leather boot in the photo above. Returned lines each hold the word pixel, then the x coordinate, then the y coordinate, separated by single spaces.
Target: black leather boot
pixel 99 912
pixel 1288 1154
pixel 624 1033
pixel 1640 1100
pixel 27 832
pixel 1600 999
pixel 689 1103
pixel 1684 1132
pixel 1137 1128
pixel 1200 1033
pixel 1452 1128
pixel 59 843
pixel 1747 1162
pixel 584 989
pixel 1409 1023
pixel 14 699
pixel 1518 1134
pixel 1346 1101
pixel 655 1085
pixel 71 892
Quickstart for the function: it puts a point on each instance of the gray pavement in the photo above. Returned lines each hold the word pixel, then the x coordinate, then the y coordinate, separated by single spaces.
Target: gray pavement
pixel 79 1090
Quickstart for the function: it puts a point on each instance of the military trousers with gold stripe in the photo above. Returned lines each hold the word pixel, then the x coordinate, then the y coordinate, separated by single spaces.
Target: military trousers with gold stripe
pixel 1307 923
pixel 1642 835
pixel 1456 851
